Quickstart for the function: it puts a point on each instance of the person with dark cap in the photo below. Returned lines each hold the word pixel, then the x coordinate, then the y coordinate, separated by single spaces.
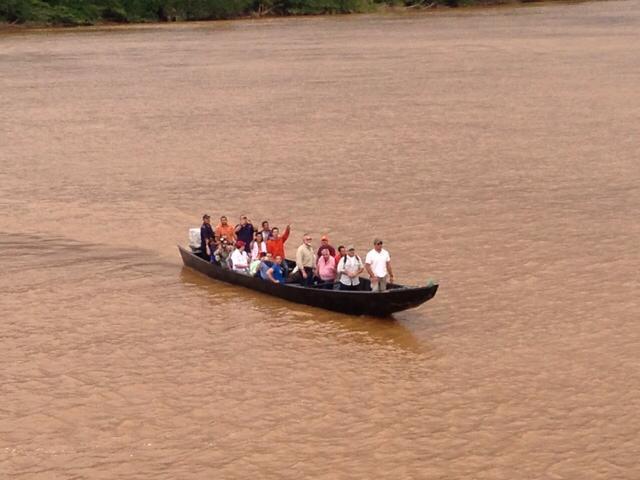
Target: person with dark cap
pixel 378 266
pixel 207 245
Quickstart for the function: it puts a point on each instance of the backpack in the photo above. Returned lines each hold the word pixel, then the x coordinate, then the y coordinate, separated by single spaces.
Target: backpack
pixel 344 260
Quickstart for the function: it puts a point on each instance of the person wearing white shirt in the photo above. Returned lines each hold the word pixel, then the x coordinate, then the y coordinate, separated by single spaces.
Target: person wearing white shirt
pixel 349 269
pixel 258 246
pixel 240 259
pixel 378 265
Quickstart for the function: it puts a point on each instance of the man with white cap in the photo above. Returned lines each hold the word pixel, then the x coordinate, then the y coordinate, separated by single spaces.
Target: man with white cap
pixel 349 269
pixel 378 265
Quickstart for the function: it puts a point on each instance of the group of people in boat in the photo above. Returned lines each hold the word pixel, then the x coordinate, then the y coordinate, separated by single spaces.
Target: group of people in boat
pixel 260 252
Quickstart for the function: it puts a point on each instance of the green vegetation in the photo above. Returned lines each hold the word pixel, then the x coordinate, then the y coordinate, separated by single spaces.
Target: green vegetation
pixel 89 12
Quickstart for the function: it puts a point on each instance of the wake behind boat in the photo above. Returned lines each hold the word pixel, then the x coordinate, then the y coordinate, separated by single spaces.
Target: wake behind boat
pixel 362 302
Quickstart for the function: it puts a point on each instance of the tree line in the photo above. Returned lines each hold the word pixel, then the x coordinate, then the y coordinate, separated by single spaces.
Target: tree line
pixel 89 12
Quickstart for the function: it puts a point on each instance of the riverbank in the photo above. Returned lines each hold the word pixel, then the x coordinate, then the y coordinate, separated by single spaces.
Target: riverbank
pixel 69 13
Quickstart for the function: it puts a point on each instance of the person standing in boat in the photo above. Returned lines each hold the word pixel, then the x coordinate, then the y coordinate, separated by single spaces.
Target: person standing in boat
pixel 226 231
pixel 276 273
pixel 378 266
pixel 349 269
pixel 341 253
pixel 327 268
pixel 324 243
pixel 275 245
pixel 266 231
pixel 258 246
pixel 244 231
pixel 206 238
pixel 305 262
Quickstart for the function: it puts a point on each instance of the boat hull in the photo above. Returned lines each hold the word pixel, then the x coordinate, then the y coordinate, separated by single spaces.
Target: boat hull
pixel 379 304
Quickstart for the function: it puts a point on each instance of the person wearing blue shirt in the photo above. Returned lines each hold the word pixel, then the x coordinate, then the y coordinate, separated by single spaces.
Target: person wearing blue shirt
pixel 244 232
pixel 206 237
pixel 265 265
pixel 275 274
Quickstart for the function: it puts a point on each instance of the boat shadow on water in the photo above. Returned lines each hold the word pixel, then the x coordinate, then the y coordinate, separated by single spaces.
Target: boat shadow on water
pixel 388 332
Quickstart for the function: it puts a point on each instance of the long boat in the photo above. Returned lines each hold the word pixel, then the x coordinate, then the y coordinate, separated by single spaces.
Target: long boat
pixel 362 302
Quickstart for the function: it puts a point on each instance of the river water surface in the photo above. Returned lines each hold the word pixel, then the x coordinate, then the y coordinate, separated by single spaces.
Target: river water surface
pixel 495 150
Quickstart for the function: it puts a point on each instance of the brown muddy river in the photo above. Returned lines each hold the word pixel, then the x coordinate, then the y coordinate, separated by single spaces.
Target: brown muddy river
pixel 495 150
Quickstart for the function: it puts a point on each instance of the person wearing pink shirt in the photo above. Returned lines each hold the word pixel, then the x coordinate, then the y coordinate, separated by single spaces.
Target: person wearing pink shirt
pixel 326 268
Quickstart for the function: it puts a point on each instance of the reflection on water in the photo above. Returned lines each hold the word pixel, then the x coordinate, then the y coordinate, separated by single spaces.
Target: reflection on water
pixel 495 150
pixel 385 332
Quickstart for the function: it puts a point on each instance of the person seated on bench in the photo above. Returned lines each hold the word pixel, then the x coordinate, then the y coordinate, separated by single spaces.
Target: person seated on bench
pixel 240 259
pixel 254 266
pixel 275 273
pixel 222 254
pixel 264 267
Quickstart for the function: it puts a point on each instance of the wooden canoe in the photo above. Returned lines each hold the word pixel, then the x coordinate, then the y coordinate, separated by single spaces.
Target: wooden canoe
pixel 364 302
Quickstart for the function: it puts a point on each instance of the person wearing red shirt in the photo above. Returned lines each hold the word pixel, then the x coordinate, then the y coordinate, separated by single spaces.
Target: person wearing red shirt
pixel 324 243
pixel 275 246
pixel 341 253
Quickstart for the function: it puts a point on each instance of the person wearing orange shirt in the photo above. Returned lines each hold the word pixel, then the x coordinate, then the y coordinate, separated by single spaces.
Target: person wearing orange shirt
pixel 223 229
